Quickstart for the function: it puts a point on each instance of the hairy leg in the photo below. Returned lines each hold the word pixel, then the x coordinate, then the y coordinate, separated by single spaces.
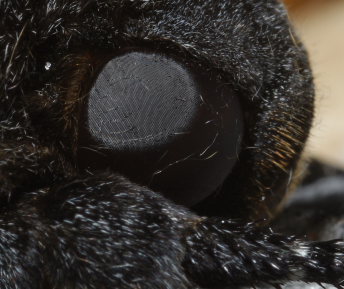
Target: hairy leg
pixel 105 232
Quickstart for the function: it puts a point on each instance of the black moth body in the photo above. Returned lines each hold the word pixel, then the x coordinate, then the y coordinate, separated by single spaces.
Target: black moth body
pixel 142 142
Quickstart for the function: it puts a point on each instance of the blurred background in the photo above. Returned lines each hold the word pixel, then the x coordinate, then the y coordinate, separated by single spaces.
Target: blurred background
pixel 320 25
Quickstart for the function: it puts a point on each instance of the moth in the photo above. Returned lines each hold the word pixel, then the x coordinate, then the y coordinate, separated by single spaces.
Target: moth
pixel 144 141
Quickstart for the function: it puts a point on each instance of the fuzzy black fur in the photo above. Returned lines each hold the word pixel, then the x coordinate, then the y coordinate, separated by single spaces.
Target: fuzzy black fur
pixel 63 227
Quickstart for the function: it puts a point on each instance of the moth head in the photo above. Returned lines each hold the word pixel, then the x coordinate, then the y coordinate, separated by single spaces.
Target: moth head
pixel 209 104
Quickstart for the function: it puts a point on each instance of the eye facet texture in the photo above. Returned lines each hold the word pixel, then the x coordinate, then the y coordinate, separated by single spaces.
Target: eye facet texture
pixel 139 101
pixel 164 125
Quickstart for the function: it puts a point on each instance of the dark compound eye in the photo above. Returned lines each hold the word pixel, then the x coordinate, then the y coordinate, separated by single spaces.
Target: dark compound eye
pixel 162 124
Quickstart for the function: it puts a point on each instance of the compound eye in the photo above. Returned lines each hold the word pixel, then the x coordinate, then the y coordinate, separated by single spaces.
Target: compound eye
pixel 163 124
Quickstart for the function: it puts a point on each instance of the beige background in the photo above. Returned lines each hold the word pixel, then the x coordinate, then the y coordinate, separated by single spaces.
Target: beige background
pixel 320 24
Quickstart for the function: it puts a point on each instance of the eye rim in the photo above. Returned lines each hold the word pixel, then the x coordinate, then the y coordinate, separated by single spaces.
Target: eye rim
pixel 77 68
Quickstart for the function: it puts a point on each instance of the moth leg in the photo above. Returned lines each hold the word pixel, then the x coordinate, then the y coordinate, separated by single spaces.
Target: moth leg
pixel 95 233
pixel 105 232
pixel 224 252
